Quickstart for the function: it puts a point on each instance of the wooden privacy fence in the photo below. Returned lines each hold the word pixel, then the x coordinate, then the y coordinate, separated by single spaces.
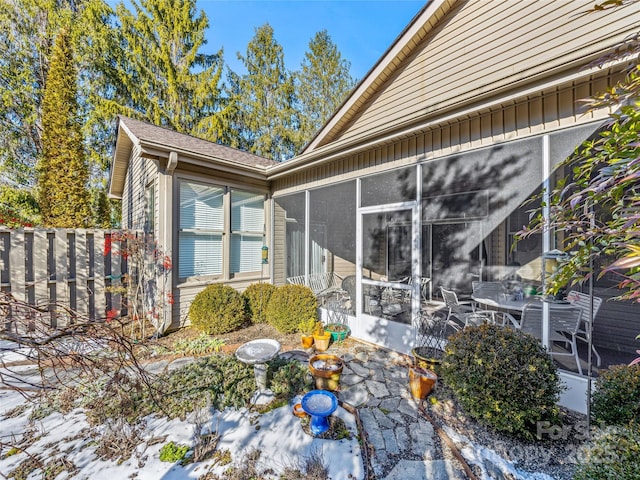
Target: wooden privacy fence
pixel 70 267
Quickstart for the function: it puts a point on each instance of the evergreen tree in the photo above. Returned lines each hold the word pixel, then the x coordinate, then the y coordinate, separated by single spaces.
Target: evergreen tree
pixel 261 113
pixel 62 171
pixel 27 29
pixel 322 84
pixel 149 66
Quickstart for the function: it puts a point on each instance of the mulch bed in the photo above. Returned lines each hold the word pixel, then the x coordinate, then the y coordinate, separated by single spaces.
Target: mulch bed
pixel 555 456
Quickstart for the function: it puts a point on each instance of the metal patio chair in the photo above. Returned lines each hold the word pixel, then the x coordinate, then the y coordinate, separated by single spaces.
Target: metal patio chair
pixel 465 311
pixel 563 326
pixel 582 301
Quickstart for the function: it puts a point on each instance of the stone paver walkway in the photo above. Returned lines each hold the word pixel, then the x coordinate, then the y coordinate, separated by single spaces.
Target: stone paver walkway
pixel 403 443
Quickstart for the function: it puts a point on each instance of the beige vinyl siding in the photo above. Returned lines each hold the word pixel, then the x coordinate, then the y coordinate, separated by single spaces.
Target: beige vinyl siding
pixel 483 48
pixel 185 293
pixel 279 254
pixel 544 111
pixel 141 172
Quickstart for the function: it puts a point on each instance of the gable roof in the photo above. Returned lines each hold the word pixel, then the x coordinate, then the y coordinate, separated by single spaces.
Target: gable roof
pixel 461 56
pixel 157 142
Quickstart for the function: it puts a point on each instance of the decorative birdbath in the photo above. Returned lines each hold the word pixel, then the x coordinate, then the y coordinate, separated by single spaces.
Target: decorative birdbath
pixel 319 404
pixel 258 353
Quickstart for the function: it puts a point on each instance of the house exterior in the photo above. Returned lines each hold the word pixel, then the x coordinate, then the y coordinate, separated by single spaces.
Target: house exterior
pixel 423 172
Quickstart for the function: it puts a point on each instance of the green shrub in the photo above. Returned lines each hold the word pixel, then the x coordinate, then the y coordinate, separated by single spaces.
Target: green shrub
pixel 257 296
pixel 289 378
pixel 612 453
pixel 288 305
pixel 172 453
pixel 219 381
pixel 217 309
pixel 200 345
pixel 502 377
pixel 616 400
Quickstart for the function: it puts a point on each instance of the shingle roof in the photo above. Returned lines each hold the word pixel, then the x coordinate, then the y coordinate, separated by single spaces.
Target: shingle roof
pixel 147 132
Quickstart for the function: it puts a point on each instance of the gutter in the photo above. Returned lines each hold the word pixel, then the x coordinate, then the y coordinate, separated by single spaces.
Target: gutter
pixel 185 154
pixel 330 152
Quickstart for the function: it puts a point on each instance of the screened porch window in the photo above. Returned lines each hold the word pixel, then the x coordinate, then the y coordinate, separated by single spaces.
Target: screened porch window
pixel 201 229
pixel 247 225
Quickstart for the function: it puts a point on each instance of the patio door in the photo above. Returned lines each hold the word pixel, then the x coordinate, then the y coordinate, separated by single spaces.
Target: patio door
pixel 388 262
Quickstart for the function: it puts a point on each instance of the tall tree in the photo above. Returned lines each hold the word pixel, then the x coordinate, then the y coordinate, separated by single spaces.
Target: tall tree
pixel 26 35
pixel 261 110
pixel 150 67
pixel 63 172
pixel 322 83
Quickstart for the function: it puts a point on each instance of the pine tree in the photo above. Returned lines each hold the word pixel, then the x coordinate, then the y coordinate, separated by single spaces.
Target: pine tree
pixel 149 66
pixel 322 84
pixel 261 111
pixel 27 30
pixel 62 171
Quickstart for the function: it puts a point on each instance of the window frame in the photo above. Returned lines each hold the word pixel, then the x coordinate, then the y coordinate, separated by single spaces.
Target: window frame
pixel 227 233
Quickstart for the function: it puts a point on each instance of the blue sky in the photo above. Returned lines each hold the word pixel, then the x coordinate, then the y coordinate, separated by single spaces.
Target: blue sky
pixel 362 29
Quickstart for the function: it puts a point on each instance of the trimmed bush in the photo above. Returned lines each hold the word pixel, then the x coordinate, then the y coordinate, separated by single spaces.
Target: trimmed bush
pixel 616 400
pixel 217 309
pixel 288 305
pixel 502 377
pixel 612 453
pixel 257 296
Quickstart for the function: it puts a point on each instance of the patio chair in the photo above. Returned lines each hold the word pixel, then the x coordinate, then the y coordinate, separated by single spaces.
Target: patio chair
pixel 494 291
pixel 563 326
pixel 582 301
pixel 349 298
pixel 464 311
pixel 424 288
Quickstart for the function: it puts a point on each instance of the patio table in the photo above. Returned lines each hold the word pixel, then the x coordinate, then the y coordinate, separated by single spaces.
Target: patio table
pixel 506 303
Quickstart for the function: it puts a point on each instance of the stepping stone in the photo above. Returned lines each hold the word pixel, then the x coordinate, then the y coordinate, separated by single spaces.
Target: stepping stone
pixel 377 389
pixel 390 404
pixel 396 417
pixel 422 444
pixel 156 367
pixel 181 362
pixel 383 420
pixel 390 441
pixel 359 369
pixel 424 470
pixel 350 379
pixel 373 402
pixel 354 395
pixel 408 407
pixel 398 389
pixel 404 443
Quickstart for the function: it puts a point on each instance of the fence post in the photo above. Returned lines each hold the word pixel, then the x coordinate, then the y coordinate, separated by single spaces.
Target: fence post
pixel 82 297
pixel 41 273
pixel 61 294
pixel 100 258
pixel 17 264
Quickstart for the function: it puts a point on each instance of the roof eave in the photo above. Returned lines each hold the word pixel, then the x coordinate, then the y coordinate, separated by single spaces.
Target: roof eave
pixel 409 32
pixel 120 161
pixel 156 149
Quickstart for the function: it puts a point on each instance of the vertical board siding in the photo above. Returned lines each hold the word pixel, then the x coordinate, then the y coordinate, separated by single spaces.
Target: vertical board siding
pixel 537 113
pixel 66 267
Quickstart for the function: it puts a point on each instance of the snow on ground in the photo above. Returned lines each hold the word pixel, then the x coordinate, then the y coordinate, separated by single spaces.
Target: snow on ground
pixel 476 455
pixel 12 352
pixel 277 434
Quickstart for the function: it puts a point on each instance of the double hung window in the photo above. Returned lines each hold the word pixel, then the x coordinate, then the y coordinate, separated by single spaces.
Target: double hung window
pixel 209 243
